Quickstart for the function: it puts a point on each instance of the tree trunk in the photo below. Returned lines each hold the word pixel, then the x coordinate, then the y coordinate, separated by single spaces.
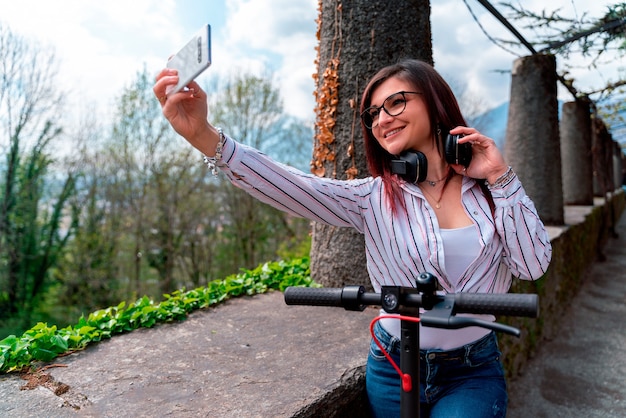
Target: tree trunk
pixel 356 39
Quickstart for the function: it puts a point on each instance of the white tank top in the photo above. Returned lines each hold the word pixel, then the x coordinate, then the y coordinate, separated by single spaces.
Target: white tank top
pixel 461 246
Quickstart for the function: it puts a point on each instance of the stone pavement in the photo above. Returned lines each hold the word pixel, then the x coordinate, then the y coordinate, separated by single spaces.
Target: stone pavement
pixel 582 371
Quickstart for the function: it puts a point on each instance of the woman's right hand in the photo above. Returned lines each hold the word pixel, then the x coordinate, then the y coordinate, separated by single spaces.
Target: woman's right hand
pixel 487 160
pixel 187 112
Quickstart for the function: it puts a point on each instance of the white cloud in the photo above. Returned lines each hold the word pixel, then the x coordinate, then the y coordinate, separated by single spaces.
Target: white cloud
pixel 462 49
pixel 280 35
pixel 102 45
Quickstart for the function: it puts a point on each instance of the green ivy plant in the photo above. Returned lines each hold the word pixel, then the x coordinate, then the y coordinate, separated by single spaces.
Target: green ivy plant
pixel 43 342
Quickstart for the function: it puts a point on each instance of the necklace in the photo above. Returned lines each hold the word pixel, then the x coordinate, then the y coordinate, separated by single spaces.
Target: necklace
pixel 443 189
pixel 433 183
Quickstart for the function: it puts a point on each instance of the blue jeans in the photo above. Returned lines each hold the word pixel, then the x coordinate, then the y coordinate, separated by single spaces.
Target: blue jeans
pixel 466 382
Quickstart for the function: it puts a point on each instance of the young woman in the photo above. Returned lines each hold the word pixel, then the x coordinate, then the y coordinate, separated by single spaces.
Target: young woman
pixel 473 227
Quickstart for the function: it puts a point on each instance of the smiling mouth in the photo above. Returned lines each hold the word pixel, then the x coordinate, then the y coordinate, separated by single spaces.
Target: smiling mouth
pixel 395 131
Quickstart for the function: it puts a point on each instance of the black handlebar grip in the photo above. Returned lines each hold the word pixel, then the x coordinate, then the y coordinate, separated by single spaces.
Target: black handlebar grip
pixel 322 296
pixel 508 304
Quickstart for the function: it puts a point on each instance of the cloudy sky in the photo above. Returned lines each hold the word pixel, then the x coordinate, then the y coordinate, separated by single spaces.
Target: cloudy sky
pixel 101 45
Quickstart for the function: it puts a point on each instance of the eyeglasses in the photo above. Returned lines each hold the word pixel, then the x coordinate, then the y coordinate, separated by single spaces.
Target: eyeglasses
pixel 393 106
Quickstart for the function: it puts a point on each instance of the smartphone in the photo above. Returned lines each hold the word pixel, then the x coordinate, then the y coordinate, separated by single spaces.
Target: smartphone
pixel 457 153
pixel 192 59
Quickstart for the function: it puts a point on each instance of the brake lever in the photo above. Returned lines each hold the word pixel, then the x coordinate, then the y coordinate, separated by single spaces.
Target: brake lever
pixel 456 322
pixel 442 316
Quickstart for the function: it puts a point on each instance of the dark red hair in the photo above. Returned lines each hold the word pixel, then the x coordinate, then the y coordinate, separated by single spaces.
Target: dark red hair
pixel 442 107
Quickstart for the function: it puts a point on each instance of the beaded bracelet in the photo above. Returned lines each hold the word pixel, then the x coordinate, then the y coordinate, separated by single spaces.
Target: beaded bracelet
pixel 211 162
pixel 503 179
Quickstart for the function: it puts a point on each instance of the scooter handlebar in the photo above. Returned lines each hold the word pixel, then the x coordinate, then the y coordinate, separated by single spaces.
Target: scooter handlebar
pixel 355 298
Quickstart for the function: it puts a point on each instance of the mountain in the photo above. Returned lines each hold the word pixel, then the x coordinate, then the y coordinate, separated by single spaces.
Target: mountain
pixel 493 124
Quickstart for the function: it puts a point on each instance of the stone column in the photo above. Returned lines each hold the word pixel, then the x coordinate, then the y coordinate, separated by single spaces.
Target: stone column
pixel 532 145
pixel 576 164
pixel 623 166
pixel 602 151
pixel 617 165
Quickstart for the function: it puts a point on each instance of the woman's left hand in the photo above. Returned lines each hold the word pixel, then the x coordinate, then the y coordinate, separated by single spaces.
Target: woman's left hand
pixel 487 160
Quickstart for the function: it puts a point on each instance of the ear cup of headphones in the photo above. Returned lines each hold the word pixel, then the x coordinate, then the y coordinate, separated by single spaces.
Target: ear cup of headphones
pixel 457 153
pixel 412 166
pixel 450 148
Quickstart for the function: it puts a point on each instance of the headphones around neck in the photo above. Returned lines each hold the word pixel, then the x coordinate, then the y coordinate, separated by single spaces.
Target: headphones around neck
pixel 412 166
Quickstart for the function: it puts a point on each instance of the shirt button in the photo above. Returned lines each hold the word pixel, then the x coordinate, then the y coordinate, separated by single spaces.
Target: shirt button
pixel 475 212
pixel 431 356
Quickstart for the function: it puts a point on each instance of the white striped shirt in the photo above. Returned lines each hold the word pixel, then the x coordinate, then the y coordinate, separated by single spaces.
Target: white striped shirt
pixel 400 247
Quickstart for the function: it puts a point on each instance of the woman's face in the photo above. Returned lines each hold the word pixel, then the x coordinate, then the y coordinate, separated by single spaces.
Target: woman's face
pixel 409 130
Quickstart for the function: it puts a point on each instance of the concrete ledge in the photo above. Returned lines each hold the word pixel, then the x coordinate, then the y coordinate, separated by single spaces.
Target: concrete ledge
pixel 250 357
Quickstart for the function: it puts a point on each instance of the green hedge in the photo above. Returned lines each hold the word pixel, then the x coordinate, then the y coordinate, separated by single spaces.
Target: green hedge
pixel 44 342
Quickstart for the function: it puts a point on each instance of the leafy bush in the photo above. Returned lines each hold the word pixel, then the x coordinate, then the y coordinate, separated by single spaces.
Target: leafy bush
pixel 44 342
